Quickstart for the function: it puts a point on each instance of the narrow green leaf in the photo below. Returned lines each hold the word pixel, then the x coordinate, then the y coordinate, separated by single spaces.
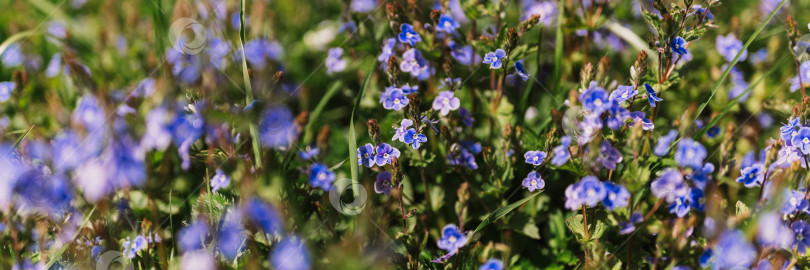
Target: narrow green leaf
pixel 558 49
pixel 19 140
pixel 58 253
pixel 501 212
pixel 309 132
pixel 355 171
pixel 254 132
pixel 736 59
pixel 14 38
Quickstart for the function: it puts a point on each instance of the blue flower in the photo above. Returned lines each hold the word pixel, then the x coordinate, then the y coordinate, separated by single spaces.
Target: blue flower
pixel 617 116
pixel 415 139
pixel 320 176
pixel 492 264
pixel 794 202
pixel 561 153
pixel 413 63
pixel 308 153
pixel 13 56
pixel 334 62
pixel 646 123
pixel 463 54
pixel 609 156
pixel 595 99
pixel 691 153
pixel 408 35
pixel 802 140
pixel 617 196
pixel 365 155
pixel 680 206
pixel 446 102
pixel 387 52
pixel 662 146
pixel 193 237
pixel 520 71
pixel 702 176
pixel 802 231
pixel 494 59
pixel 220 181
pixel 669 185
pixel 363 5
pixel 589 191
pixel 546 9
pixel 773 232
pixel 534 181
pixel 446 24
pixel 408 90
pixel 276 127
pixel 729 46
pixel 462 157
pixel 466 117
pixel 804 75
pixel 5 90
pixel 623 93
pixel 535 157
pixel 399 132
pixel 383 184
pixel 89 114
pixel 677 45
pixel 651 96
pixel 452 239
pixel 257 51
pixel 394 99
pixel 759 57
pixel 290 254
pixel 231 235
pixel 752 175
pixel 700 11
pixel 589 128
pixel 385 154
pixel 732 251
pixel 787 131
pixel 263 215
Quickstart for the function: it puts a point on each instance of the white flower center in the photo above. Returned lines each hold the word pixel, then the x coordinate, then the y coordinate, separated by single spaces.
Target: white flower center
pixel 452 239
pixel 794 133
pixel 408 35
pixel 446 101
pixel 385 155
pixel 793 201
pixel 534 182
pixel 591 192
pixel 612 196
pixel 690 153
pixel 321 176
pixel 396 101
pixel 806 140
pixel 415 136
pixel 597 102
pixel 535 158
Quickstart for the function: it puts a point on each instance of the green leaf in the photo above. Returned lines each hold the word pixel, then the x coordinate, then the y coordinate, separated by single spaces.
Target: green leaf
pixel 355 171
pixel 313 116
pixel 558 48
pixel 736 59
pixel 501 212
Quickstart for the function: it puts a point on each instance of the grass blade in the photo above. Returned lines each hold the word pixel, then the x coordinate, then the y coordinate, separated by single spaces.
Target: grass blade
pixel 53 257
pixel 558 49
pixel 501 212
pixel 736 59
pixel 14 38
pixel 254 133
pixel 355 171
pixel 309 133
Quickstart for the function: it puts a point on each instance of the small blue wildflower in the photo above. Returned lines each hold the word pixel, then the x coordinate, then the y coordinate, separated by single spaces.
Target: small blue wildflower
pixel 732 251
pixel 413 63
pixel 308 153
pixel 560 153
pixel 290 254
pixel 320 176
pixel 589 191
pixel 220 181
pixel 702 176
pixel 609 156
pixel 535 157
pixel 691 153
pixel 334 62
pixel 646 123
pixel 520 71
pixel 706 259
pixel 677 45
pixel 787 131
pixel 651 96
pixel 452 239
pixel 394 99
pixel 276 127
pixel 408 35
pixel 752 175
pixel 383 184
pixel 773 232
pixel 623 93
pixel 680 206
pixel 447 24
pixel 804 75
pixel 662 146
pixel 193 237
pixel 263 215
pixel 466 117
pixel 617 116
pixel 760 56
pixel 408 90
pixel 595 99
pixel 363 6
pixel 669 185
pixel 450 83
pixel 802 231
pixel 589 127
pixel 462 157
pixel 13 56
pixel 534 181
pixel 385 154
pixel 494 59
pixel 399 132
pixel 231 235
pixel 546 9
pixel 802 140
pixel 617 196
pixel 387 52
pixel 5 90
pixel 794 202
pixel 729 46
pixel 463 54
pixel 492 264
pixel 365 155
pixel 89 113
pixel 414 138
pixel 701 11
pixel 446 102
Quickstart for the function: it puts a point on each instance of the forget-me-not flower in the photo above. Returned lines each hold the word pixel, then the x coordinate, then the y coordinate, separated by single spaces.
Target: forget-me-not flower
pixel 447 24
pixel 320 176
pixel 334 62
pixel 495 59
pixel 535 157
pixel 385 154
pixel 520 71
pixel 414 138
pixel 220 181
pixel 677 45
pixel 408 35
pixel 365 155
pixel 534 181
pixel 623 93
pixel 446 102
pixel 5 90
pixel 752 175
pixel 651 95
pixel 691 153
